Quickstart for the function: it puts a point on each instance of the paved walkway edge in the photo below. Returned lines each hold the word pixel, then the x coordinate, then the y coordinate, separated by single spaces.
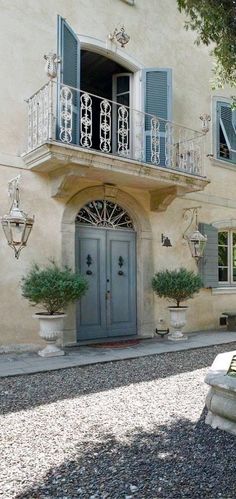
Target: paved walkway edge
pixel 16 365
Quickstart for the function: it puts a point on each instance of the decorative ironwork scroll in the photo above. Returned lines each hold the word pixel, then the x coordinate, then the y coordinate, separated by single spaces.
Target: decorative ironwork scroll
pixel 38 118
pixel 103 213
pixel 155 141
pixel 86 120
pixel 105 126
pixel 170 147
pixel 139 124
pixel 66 115
pixel 43 114
pixel 123 131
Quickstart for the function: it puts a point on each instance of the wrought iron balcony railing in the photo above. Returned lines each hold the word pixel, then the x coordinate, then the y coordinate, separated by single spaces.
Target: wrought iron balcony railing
pixel 78 118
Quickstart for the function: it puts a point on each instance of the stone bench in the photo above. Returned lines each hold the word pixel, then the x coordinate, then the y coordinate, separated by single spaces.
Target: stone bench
pixel 231 320
pixel 221 398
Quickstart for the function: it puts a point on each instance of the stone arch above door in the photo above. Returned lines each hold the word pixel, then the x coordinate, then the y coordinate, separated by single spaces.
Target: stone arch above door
pixel 145 301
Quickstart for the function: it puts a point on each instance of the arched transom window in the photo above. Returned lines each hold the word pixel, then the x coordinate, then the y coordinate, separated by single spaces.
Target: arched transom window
pixel 103 213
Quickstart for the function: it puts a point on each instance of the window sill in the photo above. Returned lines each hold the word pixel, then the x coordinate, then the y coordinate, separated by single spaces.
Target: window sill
pixel 223 164
pixel 230 290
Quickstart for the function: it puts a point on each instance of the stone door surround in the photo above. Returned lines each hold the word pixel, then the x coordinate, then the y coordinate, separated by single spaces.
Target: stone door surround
pixel 145 300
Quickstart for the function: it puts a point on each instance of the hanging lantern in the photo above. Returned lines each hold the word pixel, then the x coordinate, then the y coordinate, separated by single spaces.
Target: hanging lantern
pixel 197 243
pixel 16 225
pixel 196 240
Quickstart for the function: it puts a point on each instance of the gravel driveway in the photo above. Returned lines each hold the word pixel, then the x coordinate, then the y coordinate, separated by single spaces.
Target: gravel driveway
pixel 128 429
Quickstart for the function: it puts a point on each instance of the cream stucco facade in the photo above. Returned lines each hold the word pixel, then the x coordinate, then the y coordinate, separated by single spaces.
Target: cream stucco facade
pixel 56 182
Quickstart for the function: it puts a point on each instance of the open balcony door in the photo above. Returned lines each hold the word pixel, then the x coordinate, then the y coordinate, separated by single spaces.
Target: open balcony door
pixel 122 125
pixel 68 49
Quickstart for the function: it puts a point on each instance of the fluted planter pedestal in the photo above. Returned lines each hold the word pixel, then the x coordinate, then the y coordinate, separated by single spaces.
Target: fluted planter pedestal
pixel 50 328
pixel 177 322
pixel 221 398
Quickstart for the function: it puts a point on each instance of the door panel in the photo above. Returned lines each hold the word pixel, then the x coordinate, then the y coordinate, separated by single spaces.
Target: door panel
pixel 121 268
pixel 90 261
pixel 107 259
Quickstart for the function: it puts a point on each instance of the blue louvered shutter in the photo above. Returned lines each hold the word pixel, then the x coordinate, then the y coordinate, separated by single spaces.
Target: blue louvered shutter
pixel 226 132
pixel 157 85
pixel 68 49
pixel 208 264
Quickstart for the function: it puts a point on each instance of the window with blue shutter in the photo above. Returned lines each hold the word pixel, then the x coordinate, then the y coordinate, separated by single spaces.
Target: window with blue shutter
pixel 68 49
pixel 157 85
pixel 226 132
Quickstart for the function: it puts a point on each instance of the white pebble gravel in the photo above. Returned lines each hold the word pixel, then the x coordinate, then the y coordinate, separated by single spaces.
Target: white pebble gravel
pixel 127 429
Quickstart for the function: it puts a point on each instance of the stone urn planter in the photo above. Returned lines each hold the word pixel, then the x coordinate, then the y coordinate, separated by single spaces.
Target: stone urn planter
pixel 221 398
pixel 176 285
pixel 177 322
pixel 50 329
pixel 53 288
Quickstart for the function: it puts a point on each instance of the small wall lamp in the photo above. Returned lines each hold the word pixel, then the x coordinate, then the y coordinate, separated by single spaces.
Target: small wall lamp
pixel 166 241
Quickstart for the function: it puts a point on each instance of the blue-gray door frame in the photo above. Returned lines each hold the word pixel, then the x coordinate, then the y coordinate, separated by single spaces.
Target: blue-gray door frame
pixel 107 258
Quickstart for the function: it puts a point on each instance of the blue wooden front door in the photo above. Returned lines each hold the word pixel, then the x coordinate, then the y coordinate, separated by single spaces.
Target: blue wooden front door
pixel 107 258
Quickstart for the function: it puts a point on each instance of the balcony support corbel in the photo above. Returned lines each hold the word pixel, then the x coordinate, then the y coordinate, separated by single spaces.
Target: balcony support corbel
pixel 63 185
pixel 162 198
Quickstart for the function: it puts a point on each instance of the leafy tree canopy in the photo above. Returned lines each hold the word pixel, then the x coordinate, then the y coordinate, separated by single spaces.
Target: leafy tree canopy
pixel 53 287
pixel 178 285
pixel 215 22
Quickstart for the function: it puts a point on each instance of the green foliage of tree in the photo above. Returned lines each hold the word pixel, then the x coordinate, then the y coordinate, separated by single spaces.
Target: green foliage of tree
pixel 178 285
pixel 215 22
pixel 52 287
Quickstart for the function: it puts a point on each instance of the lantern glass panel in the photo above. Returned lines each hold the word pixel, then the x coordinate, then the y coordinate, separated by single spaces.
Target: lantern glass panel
pixel 17 229
pixel 7 231
pixel 28 228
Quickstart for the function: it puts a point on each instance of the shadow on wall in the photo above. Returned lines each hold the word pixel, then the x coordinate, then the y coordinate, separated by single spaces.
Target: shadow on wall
pixel 25 392
pixel 181 460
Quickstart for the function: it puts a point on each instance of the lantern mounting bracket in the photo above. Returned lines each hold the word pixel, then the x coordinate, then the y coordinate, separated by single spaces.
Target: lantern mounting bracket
pixel 192 213
pixel 13 191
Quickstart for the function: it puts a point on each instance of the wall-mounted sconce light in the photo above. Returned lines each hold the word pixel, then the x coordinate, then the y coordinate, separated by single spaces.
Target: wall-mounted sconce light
pixel 165 241
pixel 16 225
pixel 196 240
pixel 120 36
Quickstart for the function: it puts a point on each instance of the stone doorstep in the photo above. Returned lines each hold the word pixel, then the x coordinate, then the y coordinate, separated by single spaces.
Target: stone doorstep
pixel 221 398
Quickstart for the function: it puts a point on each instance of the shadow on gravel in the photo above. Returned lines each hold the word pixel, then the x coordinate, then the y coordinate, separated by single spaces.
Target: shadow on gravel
pixel 181 460
pixel 26 392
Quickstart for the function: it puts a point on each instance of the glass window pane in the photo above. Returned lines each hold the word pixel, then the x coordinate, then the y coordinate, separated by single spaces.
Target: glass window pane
pixel 223 256
pixel 234 257
pixel 123 99
pixel 122 84
pixel 223 238
pixel 224 150
pixel 234 274
pixel 223 274
pixel 234 238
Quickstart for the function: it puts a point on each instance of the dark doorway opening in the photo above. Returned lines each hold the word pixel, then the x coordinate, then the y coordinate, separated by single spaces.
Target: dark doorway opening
pixel 107 79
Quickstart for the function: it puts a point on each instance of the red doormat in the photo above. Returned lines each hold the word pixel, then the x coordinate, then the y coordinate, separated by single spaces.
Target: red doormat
pixel 116 344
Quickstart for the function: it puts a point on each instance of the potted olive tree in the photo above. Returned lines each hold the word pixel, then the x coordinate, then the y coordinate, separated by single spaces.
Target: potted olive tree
pixel 177 285
pixel 53 288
